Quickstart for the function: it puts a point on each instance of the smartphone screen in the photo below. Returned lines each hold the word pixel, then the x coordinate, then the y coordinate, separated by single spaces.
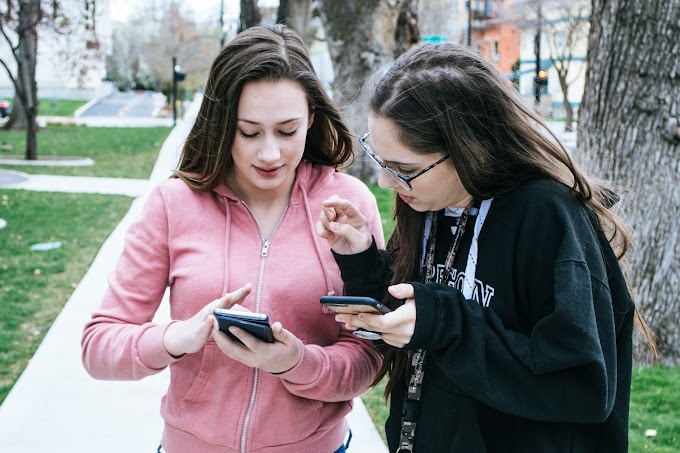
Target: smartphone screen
pixel 354 304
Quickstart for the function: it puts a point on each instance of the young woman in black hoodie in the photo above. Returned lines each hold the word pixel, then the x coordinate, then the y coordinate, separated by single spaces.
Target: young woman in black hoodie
pixel 512 323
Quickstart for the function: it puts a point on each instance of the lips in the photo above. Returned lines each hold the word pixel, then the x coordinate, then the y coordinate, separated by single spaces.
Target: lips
pixel 268 172
pixel 405 199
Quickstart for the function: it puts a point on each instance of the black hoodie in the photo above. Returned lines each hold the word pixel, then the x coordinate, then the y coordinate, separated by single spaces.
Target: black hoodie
pixel 541 359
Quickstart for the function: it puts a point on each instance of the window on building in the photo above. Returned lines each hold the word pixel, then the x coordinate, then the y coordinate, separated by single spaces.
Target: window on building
pixel 483 8
pixel 496 54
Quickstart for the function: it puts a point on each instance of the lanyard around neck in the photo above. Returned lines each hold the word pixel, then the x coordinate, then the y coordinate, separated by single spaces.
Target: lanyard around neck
pixel 430 269
pixel 411 404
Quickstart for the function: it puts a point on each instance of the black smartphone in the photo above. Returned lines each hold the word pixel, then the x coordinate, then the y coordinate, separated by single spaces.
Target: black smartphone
pixel 355 305
pixel 256 324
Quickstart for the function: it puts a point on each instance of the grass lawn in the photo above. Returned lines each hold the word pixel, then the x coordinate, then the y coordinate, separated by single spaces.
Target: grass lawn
pixel 36 284
pixel 655 404
pixel 655 394
pixel 385 199
pixel 117 152
pixel 60 107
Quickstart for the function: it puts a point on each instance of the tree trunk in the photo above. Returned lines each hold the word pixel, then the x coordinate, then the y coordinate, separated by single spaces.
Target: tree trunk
pixel 628 134
pixel 26 98
pixel 568 111
pixel 361 39
pixel 250 15
pixel 407 33
pixel 296 14
pixel 568 117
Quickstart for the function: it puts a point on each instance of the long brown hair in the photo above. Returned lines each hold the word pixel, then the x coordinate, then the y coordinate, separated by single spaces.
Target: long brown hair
pixel 445 97
pixel 258 53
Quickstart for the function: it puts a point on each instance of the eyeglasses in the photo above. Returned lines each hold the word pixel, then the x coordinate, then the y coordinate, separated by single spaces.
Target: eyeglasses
pixel 403 180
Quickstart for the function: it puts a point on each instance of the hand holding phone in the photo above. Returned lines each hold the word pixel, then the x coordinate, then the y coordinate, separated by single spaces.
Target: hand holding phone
pixel 354 305
pixel 256 324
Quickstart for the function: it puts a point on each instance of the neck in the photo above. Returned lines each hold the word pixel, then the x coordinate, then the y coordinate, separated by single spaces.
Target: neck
pixel 462 203
pixel 255 197
pixel 265 200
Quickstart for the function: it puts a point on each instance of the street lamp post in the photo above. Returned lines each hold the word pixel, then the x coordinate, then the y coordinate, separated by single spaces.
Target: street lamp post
pixel 222 24
pixel 471 14
pixel 173 94
pixel 177 76
pixel 537 51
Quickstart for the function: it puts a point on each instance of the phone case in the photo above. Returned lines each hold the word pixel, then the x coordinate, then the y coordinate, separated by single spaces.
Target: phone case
pixel 353 304
pixel 259 328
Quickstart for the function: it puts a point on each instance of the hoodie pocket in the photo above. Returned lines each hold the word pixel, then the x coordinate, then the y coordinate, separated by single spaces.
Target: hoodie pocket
pixel 201 377
pixel 214 407
pixel 281 418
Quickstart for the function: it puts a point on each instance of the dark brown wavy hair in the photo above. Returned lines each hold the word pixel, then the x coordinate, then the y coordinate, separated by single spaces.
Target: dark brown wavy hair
pixel 446 97
pixel 258 53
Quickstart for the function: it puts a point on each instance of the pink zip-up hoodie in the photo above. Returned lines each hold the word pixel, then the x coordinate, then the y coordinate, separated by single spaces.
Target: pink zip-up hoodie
pixel 202 246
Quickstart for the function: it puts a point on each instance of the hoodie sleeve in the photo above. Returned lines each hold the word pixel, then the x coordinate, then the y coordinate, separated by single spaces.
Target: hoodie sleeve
pixel 564 367
pixel 120 342
pixel 339 372
pixel 347 368
pixel 366 273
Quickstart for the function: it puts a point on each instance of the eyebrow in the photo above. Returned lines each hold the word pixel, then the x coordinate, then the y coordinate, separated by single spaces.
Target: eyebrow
pixel 255 122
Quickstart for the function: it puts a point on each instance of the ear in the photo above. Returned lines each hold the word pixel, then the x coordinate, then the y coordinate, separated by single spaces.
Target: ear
pixel 311 119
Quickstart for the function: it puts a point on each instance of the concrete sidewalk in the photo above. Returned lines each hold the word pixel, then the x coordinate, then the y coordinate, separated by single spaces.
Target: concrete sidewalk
pixel 56 407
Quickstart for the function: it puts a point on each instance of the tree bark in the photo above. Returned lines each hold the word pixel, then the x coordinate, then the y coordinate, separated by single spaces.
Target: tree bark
pixel 250 15
pixel 568 110
pixel 407 33
pixel 26 88
pixel 361 39
pixel 628 134
pixel 296 14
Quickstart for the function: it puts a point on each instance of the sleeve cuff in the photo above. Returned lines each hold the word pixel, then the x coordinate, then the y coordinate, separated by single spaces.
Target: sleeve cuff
pixel 427 309
pixel 300 373
pixel 357 266
pixel 150 348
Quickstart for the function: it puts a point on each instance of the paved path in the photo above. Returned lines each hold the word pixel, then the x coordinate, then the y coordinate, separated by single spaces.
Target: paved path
pixel 74 184
pixel 56 407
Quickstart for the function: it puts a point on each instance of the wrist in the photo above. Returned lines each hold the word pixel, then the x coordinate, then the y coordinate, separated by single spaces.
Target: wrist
pixel 295 360
pixel 170 342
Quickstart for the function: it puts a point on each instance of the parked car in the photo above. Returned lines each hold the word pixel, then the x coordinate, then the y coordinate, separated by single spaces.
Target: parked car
pixel 5 108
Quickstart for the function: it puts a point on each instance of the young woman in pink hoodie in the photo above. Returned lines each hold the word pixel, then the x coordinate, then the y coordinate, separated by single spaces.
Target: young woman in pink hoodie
pixel 235 226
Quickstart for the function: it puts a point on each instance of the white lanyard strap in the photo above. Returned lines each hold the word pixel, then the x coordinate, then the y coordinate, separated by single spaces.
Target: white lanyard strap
pixel 471 268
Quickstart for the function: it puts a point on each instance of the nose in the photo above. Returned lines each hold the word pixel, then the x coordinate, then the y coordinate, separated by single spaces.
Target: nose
pixel 386 181
pixel 270 150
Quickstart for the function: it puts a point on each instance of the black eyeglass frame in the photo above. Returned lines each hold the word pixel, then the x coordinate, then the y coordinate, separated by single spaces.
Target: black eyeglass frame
pixel 403 180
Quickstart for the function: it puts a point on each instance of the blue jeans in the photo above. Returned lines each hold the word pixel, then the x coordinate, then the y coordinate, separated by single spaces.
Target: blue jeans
pixel 342 449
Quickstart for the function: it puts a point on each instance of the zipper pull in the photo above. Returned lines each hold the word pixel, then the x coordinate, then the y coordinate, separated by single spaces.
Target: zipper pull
pixel 265 248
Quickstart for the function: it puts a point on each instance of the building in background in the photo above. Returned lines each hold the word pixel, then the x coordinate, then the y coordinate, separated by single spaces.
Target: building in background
pixel 443 21
pixel 564 27
pixel 71 66
pixel 495 35
pixel 505 31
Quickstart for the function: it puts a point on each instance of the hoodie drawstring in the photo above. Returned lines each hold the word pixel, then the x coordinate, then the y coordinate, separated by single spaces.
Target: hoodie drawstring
pixel 317 246
pixel 227 233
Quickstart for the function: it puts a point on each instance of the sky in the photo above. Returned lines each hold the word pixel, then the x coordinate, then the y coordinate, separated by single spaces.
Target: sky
pixel 122 9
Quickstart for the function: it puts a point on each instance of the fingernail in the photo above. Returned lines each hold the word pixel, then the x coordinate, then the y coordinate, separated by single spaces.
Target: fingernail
pixel 334 226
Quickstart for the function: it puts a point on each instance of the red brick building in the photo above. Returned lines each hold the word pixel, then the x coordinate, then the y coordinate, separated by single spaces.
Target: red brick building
pixel 495 34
